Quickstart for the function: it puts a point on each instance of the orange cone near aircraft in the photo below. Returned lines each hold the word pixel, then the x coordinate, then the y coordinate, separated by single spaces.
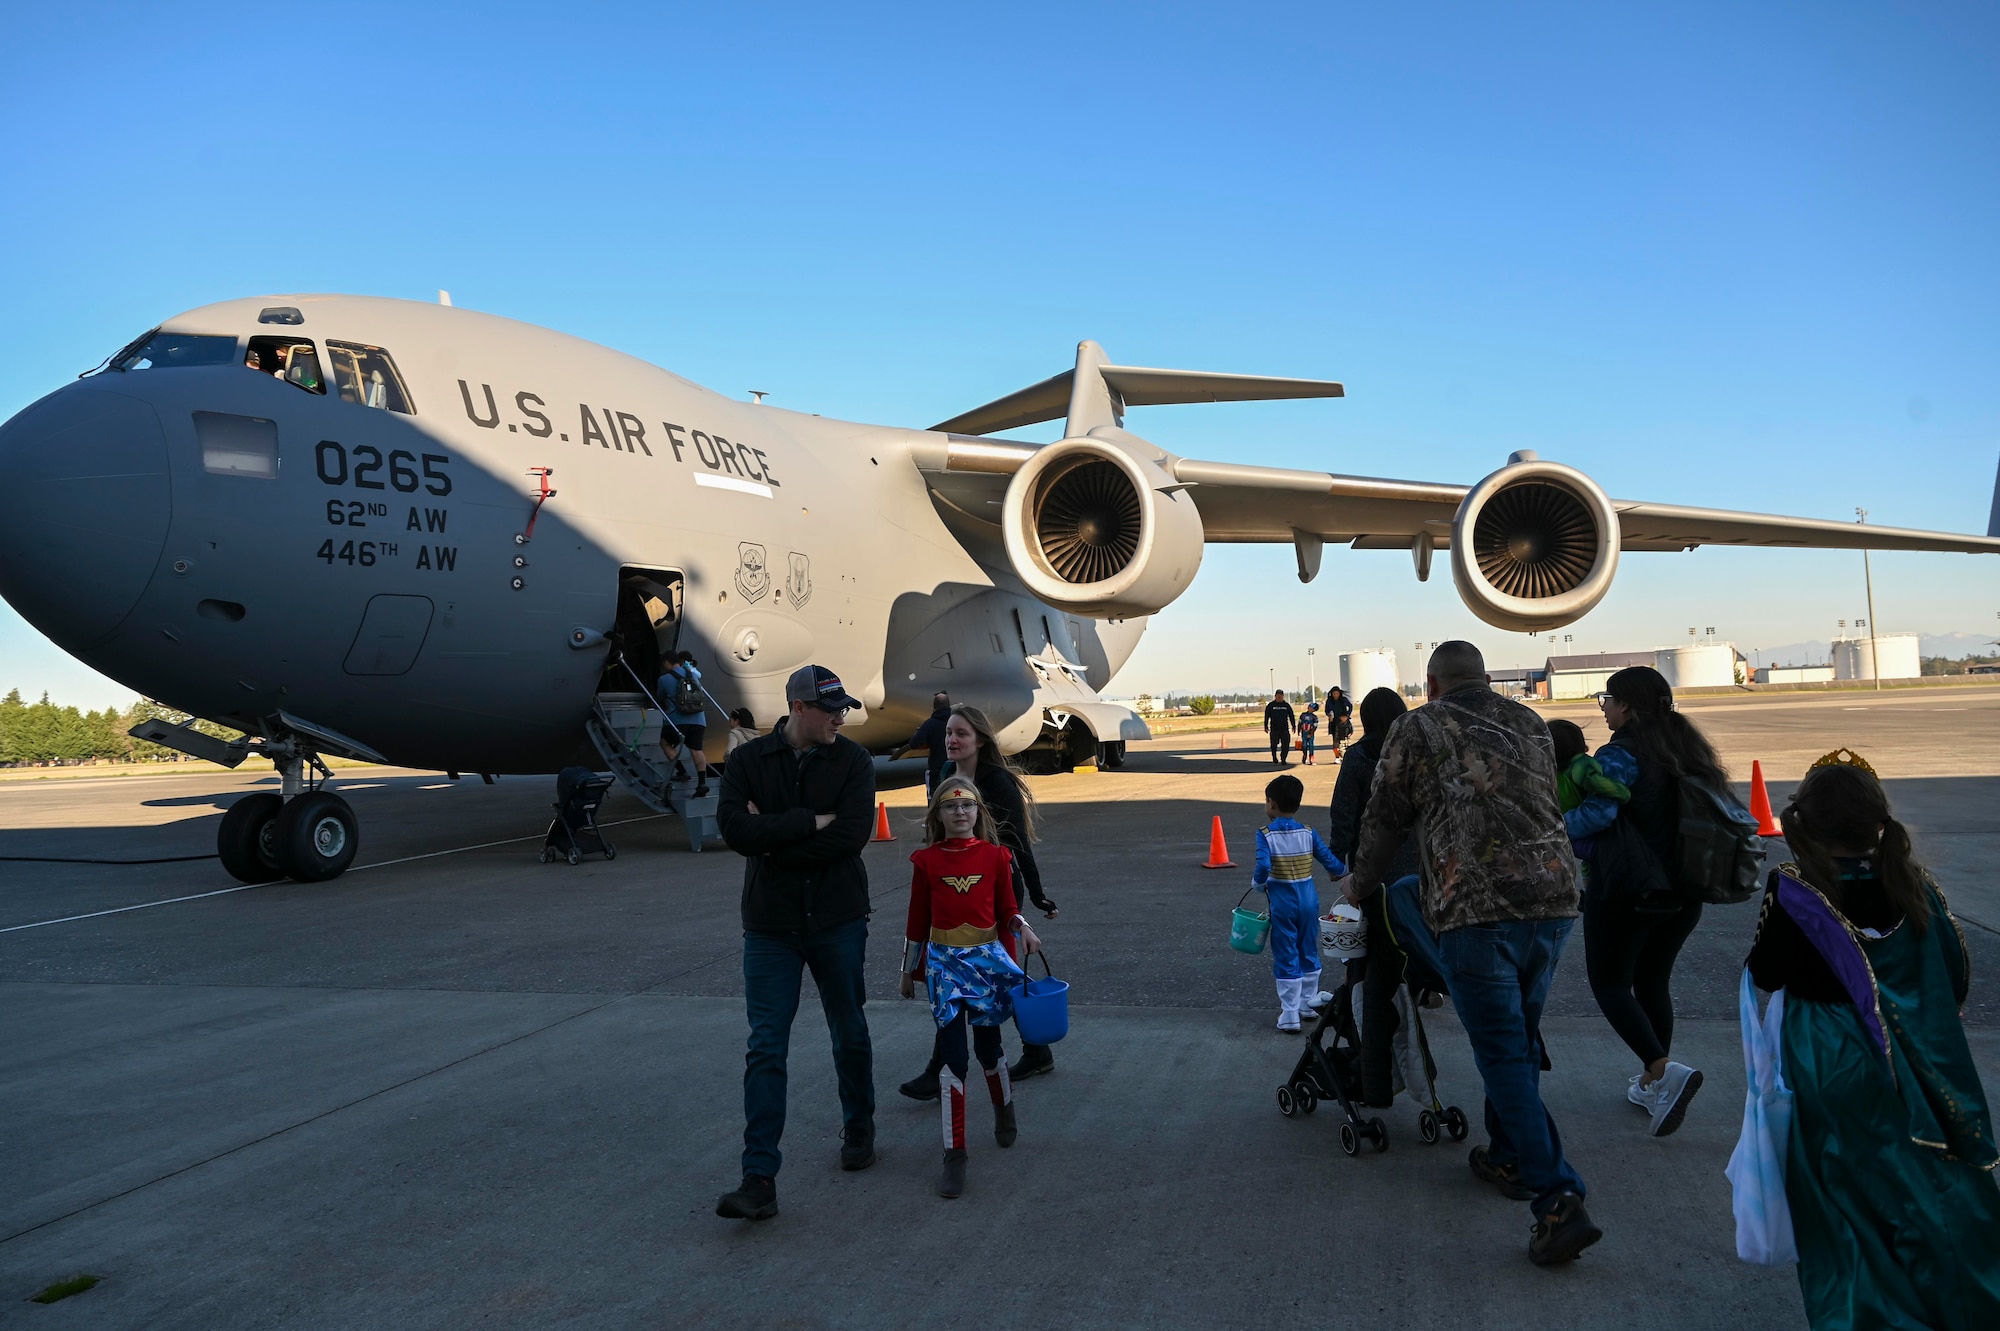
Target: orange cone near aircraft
pixel 1760 802
pixel 1218 853
pixel 882 832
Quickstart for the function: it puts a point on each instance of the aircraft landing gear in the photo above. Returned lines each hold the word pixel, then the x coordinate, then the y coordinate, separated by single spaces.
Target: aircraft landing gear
pixel 304 833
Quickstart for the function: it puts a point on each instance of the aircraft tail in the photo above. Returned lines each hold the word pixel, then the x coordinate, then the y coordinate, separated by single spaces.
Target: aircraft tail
pixel 1993 518
pixel 1096 393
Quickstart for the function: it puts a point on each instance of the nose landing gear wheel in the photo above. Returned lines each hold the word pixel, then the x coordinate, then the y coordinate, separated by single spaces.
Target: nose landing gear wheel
pixel 246 841
pixel 317 836
pixel 1350 1141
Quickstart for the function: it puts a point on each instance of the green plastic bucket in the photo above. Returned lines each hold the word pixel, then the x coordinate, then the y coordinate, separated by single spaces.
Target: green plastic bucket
pixel 1248 928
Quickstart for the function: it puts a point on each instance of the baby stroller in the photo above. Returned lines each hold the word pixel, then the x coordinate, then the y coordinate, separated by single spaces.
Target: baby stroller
pixel 1330 1070
pixel 1417 1071
pixel 574 832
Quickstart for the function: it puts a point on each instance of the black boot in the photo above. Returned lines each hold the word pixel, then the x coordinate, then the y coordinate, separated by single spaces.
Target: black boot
pixel 755 1199
pixel 857 1147
pixel 1035 1060
pixel 1004 1130
pixel 924 1086
pixel 951 1183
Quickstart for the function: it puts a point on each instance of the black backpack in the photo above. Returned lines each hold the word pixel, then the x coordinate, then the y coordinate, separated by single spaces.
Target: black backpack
pixel 1720 856
pixel 687 695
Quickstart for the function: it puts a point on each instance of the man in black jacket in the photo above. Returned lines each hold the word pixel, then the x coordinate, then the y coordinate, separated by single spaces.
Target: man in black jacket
pixel 930 735
pixel 798 804
pixel 1279 719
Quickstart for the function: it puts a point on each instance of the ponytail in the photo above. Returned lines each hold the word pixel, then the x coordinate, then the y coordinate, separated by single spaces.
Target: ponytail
pixel 1835 812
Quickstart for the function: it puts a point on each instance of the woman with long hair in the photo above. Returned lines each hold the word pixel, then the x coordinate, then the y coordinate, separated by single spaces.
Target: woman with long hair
pixel 1888 1166
pixel 972 751
pixel 1634 923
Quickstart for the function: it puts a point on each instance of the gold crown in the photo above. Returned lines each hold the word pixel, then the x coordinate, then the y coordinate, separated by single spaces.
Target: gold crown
pixel 1845 758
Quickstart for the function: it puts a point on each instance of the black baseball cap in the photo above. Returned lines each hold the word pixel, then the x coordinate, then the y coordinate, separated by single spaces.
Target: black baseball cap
pixel 820 687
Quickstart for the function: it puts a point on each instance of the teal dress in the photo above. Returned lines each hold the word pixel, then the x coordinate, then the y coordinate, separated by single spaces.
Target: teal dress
pixel 1889 1168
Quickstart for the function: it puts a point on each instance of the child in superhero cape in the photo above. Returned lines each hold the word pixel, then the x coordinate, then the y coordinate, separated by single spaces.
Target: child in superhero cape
pixel 962 943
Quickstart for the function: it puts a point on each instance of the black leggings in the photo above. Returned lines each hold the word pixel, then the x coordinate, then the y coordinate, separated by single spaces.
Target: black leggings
pixel 1629 958
pixel 1281 746
pixel 985 1043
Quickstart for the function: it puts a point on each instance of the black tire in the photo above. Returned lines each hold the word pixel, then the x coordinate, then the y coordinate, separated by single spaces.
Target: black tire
pixel 1286 1104
pixel 246 842
pixel 317 835
pixel 1380 1132
pixel 1111 755
pixel 1455 1124
pixel 548 854
pixel 1307 1100
pixel 1427 1127
pixel 1350 1141
pixel 575 855
pixel 610 851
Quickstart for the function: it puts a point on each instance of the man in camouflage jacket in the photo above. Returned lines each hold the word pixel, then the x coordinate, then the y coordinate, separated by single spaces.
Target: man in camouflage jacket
pixel 1473 776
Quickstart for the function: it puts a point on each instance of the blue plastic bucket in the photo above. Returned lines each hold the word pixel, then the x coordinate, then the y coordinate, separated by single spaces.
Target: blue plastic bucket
pixel 1248 928
pixel 1041 1008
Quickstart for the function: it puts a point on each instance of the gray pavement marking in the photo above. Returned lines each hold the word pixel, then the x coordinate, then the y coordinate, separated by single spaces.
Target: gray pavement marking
pixel 144 905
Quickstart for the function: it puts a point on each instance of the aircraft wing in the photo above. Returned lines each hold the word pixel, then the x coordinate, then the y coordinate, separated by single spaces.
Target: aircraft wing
pixel 1248 504
pixel 1252 504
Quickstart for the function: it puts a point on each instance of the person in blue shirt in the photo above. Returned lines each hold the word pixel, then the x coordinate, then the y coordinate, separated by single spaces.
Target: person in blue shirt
pixel 1286 850
pixel 681 694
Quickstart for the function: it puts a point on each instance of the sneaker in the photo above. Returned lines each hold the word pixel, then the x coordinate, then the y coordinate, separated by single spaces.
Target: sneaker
pixel 1034 1061
pixel 951 1181
pixel 857 1147
pixel 755 1199
pixel 1318 1000
pixel 1507 1178
pixel 924 1085
pixel 1670 1097
pixel 1562 1234
pixel 1638 1094
pixel 1288 1020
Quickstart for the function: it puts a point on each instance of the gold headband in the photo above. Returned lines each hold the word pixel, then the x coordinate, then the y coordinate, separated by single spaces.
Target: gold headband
pixel 1845 758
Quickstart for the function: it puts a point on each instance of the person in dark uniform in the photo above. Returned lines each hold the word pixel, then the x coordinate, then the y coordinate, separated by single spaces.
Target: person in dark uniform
pixel 930 736
pixel 1279 722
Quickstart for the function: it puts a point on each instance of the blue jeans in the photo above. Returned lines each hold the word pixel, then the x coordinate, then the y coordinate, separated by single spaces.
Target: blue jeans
pixel 772 965
pixel 1499 976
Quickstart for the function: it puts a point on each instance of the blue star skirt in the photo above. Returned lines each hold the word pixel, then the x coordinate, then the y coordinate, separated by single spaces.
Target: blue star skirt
pixel 975 979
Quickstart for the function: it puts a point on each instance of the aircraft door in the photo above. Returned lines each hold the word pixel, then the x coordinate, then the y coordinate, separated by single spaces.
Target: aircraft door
pixel 650 610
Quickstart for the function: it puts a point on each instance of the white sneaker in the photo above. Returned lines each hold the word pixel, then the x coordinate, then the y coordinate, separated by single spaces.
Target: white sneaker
pixel 1288 1020
pixel 1670 1097
pixel 1638 1094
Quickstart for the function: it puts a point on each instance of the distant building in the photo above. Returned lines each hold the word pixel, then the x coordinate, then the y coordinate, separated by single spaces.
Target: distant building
pixel 1855 658
pixel 1515 683
pixel 1361 672
pixel 1699 665
pixel 1583 676
pixel 1795 674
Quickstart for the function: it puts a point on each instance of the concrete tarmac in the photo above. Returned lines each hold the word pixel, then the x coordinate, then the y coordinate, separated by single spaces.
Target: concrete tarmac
pixel 473 1089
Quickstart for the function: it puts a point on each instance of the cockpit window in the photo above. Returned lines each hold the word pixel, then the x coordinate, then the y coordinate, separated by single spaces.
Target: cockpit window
pixel 173 351
pixel 289 358
pixel 366 375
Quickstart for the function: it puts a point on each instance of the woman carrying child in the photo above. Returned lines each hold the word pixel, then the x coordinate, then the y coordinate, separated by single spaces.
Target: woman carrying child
pixel 1888 1168
pixel 961 942
pixel 1634 924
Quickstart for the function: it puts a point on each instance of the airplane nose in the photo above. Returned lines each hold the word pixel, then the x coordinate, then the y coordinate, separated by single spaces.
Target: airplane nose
pixel 88 503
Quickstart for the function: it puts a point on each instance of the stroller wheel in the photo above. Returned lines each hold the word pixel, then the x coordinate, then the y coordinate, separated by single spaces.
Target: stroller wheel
pixel 1287 1105
pixel 1350 1141
pixel 610 851
pixel 575 856
pixel 1455 1124
pixel 1307 1100
pixel 1380 1132
pixel 1427 1127
pixel 548 854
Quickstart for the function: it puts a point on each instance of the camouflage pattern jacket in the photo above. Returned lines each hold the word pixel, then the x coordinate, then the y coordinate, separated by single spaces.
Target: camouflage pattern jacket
pixel 1473 775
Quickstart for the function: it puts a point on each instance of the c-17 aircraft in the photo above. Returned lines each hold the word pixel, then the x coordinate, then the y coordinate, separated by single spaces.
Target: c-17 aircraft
pixel 413 533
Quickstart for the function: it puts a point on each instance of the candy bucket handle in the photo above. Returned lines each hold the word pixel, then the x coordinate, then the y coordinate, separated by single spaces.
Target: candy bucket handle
pixel 1046 972
pixel 1246 894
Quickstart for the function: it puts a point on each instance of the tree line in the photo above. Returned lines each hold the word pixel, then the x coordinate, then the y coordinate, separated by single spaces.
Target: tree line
pixel 44 734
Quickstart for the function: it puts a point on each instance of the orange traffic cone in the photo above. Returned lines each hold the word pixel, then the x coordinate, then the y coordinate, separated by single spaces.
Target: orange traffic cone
pixel 1225 739
pixel 1760 803
pixel 882 832
pixel 1218 854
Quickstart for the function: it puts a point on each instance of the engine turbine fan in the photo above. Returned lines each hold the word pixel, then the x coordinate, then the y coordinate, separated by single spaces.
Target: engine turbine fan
pixel 1534 546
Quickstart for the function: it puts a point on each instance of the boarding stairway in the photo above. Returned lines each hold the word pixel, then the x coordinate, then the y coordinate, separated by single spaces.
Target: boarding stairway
pixel 626 731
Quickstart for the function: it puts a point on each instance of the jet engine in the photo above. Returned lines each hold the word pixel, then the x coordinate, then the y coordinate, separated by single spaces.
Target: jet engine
pixel 1097 527
pixel 1534 545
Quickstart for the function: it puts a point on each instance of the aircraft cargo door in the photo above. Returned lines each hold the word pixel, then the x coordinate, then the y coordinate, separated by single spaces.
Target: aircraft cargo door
pixel 392 632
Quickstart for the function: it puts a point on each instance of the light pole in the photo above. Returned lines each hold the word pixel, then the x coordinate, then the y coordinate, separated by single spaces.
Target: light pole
pixel 1312 677
pixel 1868 576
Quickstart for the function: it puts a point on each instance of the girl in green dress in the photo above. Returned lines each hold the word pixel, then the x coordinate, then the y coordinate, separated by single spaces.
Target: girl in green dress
pixel 1889 1167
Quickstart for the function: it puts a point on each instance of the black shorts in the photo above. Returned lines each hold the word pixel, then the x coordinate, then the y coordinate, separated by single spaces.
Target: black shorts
pixel 693 736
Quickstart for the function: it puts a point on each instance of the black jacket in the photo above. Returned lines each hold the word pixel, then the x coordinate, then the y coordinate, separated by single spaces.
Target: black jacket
pixel 1001 790
pixel 796 879
pixel 1350 799
pixel 930 735
pixel 1278 719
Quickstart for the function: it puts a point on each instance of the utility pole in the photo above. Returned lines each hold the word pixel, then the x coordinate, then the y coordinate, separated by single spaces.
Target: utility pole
pixel 1312 676
pixel 1868 577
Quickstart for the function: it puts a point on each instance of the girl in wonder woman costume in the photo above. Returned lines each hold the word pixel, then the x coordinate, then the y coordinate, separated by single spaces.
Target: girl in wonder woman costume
pixel 961 942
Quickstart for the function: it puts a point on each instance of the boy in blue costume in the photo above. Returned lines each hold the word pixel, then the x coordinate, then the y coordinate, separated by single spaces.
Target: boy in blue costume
pixel 1286 850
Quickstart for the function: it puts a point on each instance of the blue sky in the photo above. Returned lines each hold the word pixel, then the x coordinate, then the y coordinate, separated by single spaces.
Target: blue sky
pixel 1729 255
